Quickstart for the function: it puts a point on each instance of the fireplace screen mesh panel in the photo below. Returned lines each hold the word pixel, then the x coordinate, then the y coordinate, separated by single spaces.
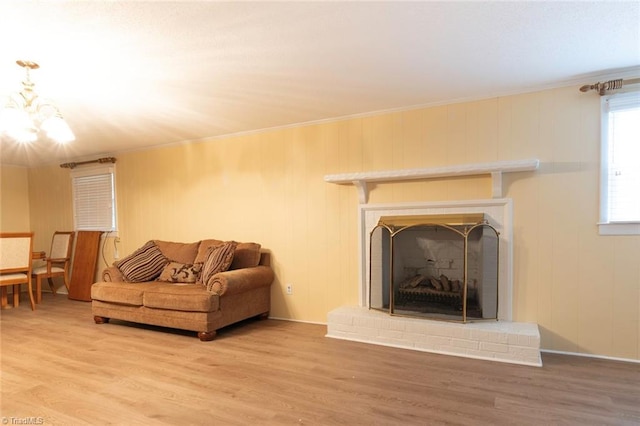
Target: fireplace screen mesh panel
pixel 438 267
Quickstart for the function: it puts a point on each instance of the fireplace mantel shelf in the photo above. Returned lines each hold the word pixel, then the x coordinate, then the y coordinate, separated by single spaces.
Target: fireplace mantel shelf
pixel 496 169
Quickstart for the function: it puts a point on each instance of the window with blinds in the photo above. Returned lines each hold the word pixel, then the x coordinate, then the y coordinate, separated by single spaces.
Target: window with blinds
pixel 620 164
pixel 94 203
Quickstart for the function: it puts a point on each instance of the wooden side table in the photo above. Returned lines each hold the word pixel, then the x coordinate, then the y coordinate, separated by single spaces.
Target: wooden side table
pixel 84 265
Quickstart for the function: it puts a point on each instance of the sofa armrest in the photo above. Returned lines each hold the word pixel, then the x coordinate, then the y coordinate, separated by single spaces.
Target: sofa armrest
pixel 240 280
pixel 112 274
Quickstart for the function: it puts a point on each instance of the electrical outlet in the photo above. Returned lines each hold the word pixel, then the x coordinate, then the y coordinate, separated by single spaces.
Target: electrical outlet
pixel 289 288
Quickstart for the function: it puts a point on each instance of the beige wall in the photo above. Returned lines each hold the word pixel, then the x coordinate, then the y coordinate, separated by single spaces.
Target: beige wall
pixel 51 204
pixel 14 199
pixel 582 289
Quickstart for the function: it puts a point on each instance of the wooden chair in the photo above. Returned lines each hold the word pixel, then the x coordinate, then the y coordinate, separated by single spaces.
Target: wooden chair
pixel 57 263
pixel 15 265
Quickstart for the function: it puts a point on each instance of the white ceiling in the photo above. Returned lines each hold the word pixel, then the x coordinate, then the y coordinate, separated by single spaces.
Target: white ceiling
pixel 130 74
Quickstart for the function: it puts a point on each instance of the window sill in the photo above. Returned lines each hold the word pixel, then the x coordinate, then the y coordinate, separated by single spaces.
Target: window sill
pixel 626 228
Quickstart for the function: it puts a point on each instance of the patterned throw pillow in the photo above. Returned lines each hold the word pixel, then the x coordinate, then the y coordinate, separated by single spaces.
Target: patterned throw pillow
pixel 144 264
pixel 176 272
pixel 218 259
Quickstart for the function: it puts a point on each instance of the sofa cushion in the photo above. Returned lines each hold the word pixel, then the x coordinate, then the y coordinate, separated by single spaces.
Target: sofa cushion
pixel 144 264
pixel 204 247
pixel 119 292
pixel 178 252
pixel 247 255
pixel 218 260
pixel 181 297
pixel 157 295
pixel 175 272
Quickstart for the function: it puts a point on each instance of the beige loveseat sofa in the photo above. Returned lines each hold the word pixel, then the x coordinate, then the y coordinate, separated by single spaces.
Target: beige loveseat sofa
pixel 180 295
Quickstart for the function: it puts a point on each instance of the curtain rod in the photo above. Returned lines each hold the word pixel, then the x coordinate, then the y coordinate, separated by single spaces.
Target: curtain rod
pixel 80 163
pixel 608 85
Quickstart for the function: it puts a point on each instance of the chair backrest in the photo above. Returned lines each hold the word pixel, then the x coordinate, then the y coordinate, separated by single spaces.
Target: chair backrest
pixel 61 245
pixel 15 251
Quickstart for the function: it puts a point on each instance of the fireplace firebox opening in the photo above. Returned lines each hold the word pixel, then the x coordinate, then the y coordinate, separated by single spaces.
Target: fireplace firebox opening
pixel 442 267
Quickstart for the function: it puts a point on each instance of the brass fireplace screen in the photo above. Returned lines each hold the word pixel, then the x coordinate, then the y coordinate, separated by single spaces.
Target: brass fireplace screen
pixel 442 267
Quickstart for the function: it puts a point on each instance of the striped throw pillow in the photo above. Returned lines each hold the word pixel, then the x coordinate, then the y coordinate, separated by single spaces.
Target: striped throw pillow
pixel 144 264
pixel 218 259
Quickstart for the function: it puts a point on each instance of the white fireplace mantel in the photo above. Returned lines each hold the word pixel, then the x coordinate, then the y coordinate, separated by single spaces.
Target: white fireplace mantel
pixel 360 179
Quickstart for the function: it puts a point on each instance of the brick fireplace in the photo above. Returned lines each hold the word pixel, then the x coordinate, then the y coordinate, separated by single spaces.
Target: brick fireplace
pixel 497 340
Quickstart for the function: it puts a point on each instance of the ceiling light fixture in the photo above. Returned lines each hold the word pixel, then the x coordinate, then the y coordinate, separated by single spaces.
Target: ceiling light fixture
pixel 25 114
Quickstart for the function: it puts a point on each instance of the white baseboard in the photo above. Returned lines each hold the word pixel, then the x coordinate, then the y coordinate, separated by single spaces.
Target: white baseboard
pixel 294 320
pixel 605 357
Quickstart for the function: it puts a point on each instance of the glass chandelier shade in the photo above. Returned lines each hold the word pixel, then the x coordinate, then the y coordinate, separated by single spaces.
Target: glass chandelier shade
pixel 25 115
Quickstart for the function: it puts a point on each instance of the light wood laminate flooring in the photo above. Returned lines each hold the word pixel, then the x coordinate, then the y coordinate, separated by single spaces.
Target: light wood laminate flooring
pixel 60 368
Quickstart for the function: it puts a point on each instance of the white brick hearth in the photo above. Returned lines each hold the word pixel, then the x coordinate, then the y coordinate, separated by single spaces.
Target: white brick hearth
pixel 504 341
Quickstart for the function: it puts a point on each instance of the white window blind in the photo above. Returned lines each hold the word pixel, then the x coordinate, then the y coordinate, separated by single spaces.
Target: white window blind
pixel 620 186
pixel 94 199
